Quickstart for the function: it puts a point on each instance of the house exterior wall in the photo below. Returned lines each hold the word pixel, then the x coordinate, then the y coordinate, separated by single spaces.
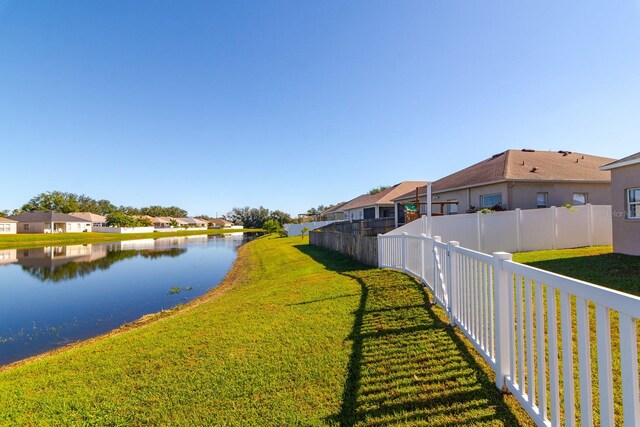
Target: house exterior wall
pixel 358 213
pixel 8 227
pixel 335 216
pixel 524 194
pixel 626 232
pixel 8 256
pixel 40 227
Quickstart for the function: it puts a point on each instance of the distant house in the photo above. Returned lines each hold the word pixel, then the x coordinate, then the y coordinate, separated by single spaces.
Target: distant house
pixel 625 204
pixel 379 205
pixel 220 223
pixel 194 222
pixel 50 222
pixel 8 226
pixel 525 179
pixel 95 219
pixel 333 213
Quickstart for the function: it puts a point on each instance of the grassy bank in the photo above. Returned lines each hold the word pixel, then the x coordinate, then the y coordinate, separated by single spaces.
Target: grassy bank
pixel 295 335
pixel 24 241
pixel 597 264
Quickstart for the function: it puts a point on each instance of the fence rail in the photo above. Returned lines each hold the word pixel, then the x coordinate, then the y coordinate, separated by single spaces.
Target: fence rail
pixel 362 227
pixel 529 325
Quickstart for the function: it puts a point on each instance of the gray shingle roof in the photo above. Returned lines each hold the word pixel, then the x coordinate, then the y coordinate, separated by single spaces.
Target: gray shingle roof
pixel 45 216
pixel 524 165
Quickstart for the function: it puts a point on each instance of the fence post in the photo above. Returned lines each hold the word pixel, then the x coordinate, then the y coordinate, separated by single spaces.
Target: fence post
pixel 424 236
pixel 380 251
pixel 554 226
pixel 479 231
pixel 519 229
pixel 501 308
pixel 590 224
pixel 404 252
pixel 434 254
pixel 453 281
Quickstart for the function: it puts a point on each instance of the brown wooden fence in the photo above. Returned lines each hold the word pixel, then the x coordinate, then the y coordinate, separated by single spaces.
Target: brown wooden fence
pixel 362 227
pixel 355 239
pixel 361 248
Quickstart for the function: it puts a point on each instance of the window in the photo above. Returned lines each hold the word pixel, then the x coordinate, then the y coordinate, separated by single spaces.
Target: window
pixel 25 227
pixel 580 198
pixel 490 200
pixel 452 208
pixel 542 200
pixel 633 203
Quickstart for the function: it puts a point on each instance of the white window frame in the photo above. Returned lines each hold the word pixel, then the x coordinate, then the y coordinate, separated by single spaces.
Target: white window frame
pixel 630 203
pixel 482 196
pixel 546 199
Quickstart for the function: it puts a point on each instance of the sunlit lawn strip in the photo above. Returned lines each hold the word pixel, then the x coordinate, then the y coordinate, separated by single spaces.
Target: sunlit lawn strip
pixel 295 335
pixel 23 241
pixel 600 266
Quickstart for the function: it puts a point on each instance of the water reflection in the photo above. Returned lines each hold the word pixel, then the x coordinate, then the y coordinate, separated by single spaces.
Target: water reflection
pixel 99 287
pixel 59 263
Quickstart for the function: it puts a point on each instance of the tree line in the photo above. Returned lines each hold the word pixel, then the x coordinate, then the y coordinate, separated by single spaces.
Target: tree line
pixel 69 202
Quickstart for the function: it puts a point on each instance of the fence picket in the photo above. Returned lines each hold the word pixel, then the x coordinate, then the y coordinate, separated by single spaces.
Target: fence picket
pixel 629 361
pixel 554 381
pixel 483 294
pixel 541 376
pixel 567 360
pixel 531 388
pixel 584 363
pixel 605 380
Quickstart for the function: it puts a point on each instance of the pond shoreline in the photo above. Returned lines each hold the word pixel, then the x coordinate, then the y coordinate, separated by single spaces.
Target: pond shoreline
pixel 29 241
pixel 234 275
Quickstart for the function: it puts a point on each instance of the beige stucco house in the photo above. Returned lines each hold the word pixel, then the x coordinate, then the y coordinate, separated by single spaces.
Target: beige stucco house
pixel 220 223
pixel 333 213
pixel 50 222
pixel 194 222
pixel 95 219
pixel 378 205
pixel 625 204
pixel 525 179
pixel 8 226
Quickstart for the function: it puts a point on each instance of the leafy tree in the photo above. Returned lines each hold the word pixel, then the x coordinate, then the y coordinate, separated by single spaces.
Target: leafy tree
pixel 144 222
pixel 249 217
pixel 121 219
pixel 173 223
pixel 5 212
pixel 172 211
pixel 272 226
pixel 315 211
pixel 280 216
pixel 304 231
pixel 379 189
pixel 53 200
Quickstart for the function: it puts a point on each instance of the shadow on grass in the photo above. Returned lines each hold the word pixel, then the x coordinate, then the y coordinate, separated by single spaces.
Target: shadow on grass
pixel 406 365
pixel 615 271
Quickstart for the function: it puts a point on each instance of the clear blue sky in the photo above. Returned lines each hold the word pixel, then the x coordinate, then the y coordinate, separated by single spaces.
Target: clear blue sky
pixel 289 104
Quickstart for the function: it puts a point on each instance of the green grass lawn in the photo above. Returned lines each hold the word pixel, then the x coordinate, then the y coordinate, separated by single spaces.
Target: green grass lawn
pixel 24 241
pixel 597 264
pixel 295 335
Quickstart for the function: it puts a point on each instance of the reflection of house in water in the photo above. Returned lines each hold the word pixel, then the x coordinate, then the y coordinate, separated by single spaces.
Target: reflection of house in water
pixel 138 245
pixel 54 256
pixel 61 263
pixel 8 256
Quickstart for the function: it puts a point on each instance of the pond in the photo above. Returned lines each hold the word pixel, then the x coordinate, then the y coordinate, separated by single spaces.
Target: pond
pixel 53 296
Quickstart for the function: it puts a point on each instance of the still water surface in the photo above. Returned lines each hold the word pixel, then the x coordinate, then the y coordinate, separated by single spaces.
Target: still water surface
pixel 53 296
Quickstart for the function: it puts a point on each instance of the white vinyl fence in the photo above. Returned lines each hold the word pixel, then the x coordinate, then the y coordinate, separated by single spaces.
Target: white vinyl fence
pixel 296 229
pixel 522 230
pixel 529 324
